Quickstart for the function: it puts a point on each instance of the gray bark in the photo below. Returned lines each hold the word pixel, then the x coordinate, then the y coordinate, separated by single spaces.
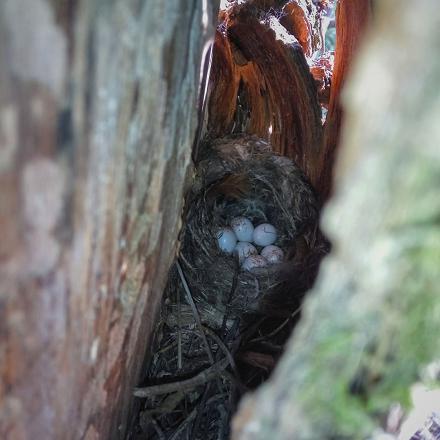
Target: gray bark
pixel 98 115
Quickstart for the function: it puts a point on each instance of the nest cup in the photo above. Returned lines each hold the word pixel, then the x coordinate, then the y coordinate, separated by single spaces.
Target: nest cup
pixel 205 352
pixel 241 176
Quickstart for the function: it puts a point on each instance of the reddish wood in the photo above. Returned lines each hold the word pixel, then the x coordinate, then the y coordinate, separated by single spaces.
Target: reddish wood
pixel 352 18
pixel 262 86
pixel 297 22
pixel 253 93
pixel 322 71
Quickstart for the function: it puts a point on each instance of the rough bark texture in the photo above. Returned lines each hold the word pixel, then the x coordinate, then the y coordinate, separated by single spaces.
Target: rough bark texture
pixel 97 120
pixel 271 73
pixel 262 85
pixel 352 19
pixel 370 326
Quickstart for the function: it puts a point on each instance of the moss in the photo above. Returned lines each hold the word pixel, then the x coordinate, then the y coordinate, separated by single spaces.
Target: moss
pixel 414 339
pixel 410 318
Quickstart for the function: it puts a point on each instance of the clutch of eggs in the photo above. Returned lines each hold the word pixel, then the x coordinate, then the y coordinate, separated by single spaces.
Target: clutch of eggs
pixel 239 238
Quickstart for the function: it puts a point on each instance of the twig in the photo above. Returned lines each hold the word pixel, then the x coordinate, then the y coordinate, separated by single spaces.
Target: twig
pixel 156 426
pixel 224 348
pixel 234 379
pixel 190 300
pixel 184 385
pixel 179 335
pixel 230 297
pixel 202 404
pixel 184 424
pixel 193 414
pixel 167 405
pixel 224 415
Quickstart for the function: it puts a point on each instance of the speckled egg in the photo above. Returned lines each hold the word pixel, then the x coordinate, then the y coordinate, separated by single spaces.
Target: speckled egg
pixel 265 234
pixel 273 254
pixel 254 262
pixel 243 228
pixel 244 250
pixel 226 239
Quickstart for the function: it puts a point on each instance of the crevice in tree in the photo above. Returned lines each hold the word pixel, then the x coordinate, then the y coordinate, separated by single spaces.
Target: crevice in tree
pixel 270 84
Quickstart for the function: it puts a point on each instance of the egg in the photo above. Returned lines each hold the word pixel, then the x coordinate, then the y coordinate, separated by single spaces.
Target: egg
pixel 264 234
pixel 244 250
pixel 226 240
pixel 243 228
pixel 254 262
pixel 273 254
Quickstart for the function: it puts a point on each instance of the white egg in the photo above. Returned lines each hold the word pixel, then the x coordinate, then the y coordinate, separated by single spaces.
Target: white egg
pixel 244 250
pixel 226 240
pixel 254 262
pixel 243 228
pixel 273 254
pixel 265 234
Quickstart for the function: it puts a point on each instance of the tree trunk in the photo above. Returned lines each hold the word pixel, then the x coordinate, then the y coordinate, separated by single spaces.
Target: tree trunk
pixel 97 119
pixel 370 326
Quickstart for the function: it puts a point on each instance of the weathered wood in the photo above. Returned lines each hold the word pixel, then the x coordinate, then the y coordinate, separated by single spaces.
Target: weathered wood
pixel 264 57
pixel 370 326
pixel 262 85
pixel 97 119
pixel 352 19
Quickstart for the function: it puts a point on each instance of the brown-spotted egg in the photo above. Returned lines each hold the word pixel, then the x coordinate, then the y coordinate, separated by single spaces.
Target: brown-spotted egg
pixel 273 254
pixel 254 262
pixel 244 250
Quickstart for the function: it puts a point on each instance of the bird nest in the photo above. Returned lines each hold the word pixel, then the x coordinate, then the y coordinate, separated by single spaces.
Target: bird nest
pixel 221 327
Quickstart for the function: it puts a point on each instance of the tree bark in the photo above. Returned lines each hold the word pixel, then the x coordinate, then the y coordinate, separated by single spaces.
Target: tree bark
pixel 370 326
pixel 352 19
pixel 97 119
pixel 262 85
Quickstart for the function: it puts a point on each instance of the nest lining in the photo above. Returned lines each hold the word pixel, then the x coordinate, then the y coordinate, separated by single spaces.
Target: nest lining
pixel 223 328
pixel 242 177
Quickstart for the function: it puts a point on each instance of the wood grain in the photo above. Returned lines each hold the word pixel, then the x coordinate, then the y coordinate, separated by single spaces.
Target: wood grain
pixel 97 118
